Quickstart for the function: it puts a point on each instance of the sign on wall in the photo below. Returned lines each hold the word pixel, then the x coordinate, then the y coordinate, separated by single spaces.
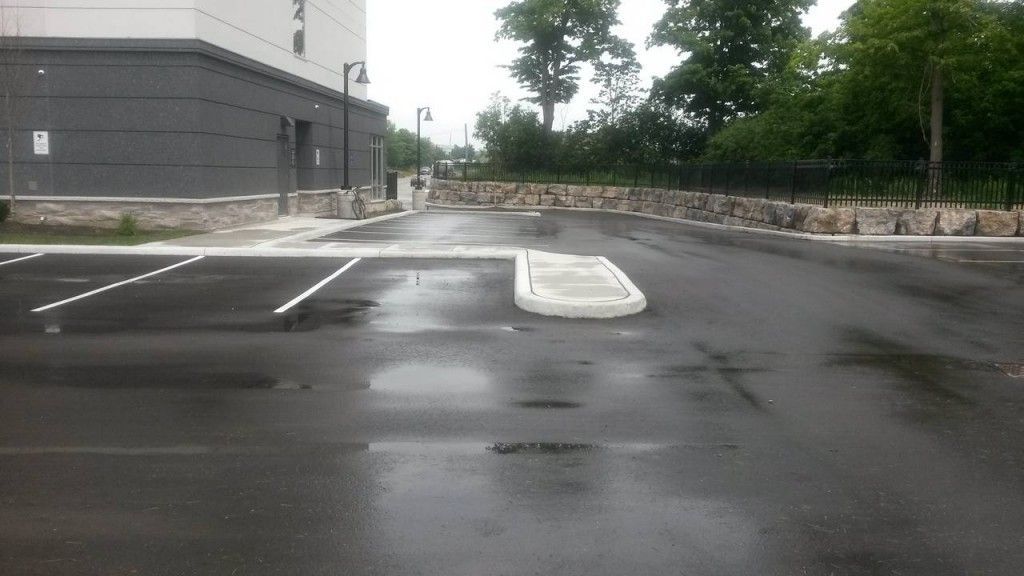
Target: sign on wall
pixel 41 143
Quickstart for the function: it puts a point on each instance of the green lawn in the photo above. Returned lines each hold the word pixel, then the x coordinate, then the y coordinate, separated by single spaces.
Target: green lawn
pixel 11 233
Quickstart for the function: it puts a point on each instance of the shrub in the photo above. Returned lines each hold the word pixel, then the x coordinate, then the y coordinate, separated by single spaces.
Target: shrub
pixel 5 210
pixel 128 226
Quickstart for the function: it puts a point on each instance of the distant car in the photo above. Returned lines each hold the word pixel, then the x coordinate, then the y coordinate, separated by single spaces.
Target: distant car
pixel 424 171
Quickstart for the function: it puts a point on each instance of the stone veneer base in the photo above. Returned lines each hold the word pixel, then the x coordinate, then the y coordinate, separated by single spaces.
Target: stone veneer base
pixel 182 214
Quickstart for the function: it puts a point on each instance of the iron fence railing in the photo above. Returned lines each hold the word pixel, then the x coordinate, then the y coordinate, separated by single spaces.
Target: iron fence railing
pixel 896 184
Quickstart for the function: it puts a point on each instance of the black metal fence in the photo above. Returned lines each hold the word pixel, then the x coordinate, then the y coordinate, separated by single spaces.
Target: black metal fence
pixel 899 184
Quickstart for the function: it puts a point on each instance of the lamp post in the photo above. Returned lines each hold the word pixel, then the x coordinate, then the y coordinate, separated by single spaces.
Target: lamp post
pixel 362 79
pixel 419 147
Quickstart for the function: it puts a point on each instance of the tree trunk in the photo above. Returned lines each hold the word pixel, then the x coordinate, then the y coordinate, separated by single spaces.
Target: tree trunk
pixel 935 157
pixel 549 117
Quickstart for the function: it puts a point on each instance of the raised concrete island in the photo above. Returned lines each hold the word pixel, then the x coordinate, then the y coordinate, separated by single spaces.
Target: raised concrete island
pixel 735 211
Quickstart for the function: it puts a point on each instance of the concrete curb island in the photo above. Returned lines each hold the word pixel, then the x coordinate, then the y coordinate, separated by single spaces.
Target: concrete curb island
pixel 734 211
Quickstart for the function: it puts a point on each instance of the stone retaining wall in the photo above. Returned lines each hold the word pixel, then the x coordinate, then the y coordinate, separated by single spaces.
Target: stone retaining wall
pixel 734 211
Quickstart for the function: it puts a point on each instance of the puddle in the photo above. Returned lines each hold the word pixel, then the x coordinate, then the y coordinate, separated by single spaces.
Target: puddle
pixel 314 314
pixel 517 329
pixel 430 380
pixel 548 404
pixel 504 448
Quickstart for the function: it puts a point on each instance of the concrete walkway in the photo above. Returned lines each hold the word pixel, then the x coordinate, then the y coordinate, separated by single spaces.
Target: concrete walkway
pixel 560 285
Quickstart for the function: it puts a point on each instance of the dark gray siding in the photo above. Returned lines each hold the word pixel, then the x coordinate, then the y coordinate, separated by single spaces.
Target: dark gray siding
pixel 183 120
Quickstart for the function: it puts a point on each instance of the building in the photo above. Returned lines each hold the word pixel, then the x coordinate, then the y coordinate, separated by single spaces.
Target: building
pixel 191 113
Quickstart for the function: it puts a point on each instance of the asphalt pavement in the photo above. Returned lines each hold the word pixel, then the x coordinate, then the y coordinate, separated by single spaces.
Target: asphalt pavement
pixel 782 407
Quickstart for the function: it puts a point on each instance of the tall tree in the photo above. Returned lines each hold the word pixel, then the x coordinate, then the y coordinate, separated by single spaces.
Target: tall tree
pixel 920 45
pixel 732 50
pixel 513 135
pixel 559 36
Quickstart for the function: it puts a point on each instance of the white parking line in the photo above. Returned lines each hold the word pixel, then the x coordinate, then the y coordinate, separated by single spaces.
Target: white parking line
pixel 431 234
pixel 20 259
pixel 319 285
pixel 112 286
pixel 990 261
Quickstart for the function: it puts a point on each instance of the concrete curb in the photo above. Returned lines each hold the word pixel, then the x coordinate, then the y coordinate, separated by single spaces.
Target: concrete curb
pixel 501 210
pixel 342 225
pixel 525 297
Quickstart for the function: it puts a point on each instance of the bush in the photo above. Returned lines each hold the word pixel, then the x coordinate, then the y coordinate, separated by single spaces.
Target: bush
pixel 128 226
pixel 5 210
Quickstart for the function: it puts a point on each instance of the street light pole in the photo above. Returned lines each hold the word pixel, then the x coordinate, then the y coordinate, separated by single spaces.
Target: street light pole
pixel 419 147
pixel 362 79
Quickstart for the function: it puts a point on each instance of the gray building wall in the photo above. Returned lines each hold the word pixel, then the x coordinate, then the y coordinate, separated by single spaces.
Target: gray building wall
pixel 176 119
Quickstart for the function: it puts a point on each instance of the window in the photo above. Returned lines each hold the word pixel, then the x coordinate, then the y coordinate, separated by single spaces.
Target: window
pixel 299 27
pixel 377 176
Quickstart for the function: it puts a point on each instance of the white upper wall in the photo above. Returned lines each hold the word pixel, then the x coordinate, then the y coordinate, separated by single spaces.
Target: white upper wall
pixel 258 29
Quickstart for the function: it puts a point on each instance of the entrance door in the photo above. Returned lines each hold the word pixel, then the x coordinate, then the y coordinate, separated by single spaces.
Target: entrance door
pixel 284 173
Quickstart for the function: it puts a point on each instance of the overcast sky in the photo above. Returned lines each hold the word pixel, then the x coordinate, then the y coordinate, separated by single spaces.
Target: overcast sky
pixel 442 54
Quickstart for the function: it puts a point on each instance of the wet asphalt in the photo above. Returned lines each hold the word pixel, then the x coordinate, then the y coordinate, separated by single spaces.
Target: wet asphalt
pixel 783 407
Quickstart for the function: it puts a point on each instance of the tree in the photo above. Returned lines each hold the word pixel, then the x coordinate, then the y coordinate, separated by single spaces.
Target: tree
pixel 732 50
pixel 620 91
pixel 513 135
pixel 400 145
pixel 558 36
pixel 921 44
pixel 12 82
pixel 467 153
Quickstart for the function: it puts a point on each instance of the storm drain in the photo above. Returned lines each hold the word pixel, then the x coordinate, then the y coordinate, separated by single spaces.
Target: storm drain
pixel 1013 369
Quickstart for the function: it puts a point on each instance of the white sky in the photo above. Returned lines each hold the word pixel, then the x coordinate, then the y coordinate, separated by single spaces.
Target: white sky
pixel 442 54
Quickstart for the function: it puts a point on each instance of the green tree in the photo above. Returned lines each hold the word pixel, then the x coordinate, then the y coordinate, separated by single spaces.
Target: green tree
pixel 400 146
pixel 558 36
pixel 464 152
pixel 732 51
pixel 903 57
pixel 513 135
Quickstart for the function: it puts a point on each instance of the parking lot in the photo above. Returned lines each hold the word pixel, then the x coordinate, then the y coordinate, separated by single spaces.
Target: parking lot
pixel 782 407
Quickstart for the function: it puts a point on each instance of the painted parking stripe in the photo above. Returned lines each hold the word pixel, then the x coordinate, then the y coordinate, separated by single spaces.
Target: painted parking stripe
pixel 411 241
pixel 313 290
pixel 117 285
pixel 990 261
pixel 23 258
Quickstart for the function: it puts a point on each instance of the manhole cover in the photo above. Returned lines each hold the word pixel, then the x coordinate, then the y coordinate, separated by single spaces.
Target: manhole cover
pixel 1013 370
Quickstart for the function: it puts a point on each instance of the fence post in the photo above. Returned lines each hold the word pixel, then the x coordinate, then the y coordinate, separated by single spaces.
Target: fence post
pixel 922 183
pixel 636 176
pixel 828 181
pixel 792 183
pixel 767 182
pixel 746 178
pixel 1011 188
pixel 653 172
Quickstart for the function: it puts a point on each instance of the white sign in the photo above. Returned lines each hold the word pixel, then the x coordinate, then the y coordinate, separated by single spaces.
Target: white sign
pixel 317 156
pixel 41 143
